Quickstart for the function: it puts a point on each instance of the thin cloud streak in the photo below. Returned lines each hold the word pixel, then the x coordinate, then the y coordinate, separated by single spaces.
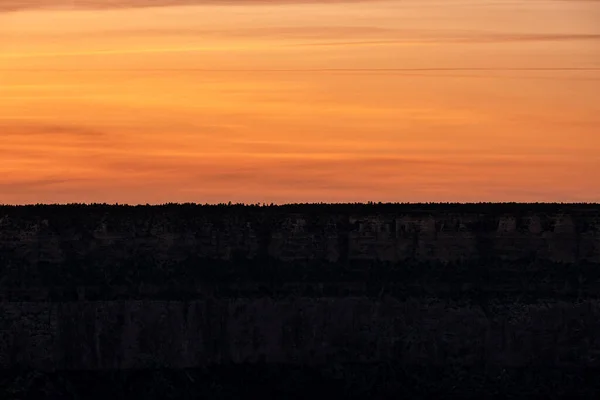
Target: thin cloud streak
pixel 49 131
pixel 30 185
pixel 19 5
pixel 473 39
pixel 279 32
pixel 214 48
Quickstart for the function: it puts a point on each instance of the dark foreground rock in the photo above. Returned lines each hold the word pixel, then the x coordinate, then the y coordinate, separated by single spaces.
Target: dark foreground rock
pixel 351 381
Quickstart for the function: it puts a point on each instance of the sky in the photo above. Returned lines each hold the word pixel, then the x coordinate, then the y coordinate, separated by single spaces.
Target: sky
pixel 207 101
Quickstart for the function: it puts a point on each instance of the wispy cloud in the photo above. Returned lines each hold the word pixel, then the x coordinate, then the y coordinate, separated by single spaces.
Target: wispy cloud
pixel 473 38
pixel 49 130
pixel 484 37
pixel 20 185
pixel 279 32
pixel 42 143
pixel 16 5
pixel 189 49
pixel 323 35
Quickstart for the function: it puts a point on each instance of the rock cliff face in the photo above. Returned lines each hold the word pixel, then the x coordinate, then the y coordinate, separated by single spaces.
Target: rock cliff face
pixel 54 235
pixel 302 331
pixel 103 287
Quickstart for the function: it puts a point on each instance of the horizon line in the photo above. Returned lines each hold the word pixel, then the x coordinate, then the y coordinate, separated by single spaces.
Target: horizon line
pixel 273 204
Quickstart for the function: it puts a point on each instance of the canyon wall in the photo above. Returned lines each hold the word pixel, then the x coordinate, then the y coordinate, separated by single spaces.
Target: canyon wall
pixel 117 287
pixel 307 331
pixel 47 236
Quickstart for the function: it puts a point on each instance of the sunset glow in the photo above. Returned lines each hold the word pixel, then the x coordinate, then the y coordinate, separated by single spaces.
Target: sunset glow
pixel 242 101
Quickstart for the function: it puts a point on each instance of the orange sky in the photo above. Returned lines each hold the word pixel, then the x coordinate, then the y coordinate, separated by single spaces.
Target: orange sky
pixel 408 100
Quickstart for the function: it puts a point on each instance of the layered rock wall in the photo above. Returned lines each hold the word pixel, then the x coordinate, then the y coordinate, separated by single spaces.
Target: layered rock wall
pixel 111 235
pixel 307 331
pixel 101 287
